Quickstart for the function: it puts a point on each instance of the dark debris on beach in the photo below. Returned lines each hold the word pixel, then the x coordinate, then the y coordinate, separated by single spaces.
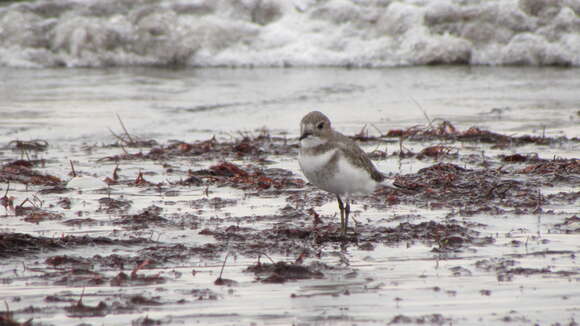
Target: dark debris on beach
pixel 18 244
pixel 466 191
pixel 445 130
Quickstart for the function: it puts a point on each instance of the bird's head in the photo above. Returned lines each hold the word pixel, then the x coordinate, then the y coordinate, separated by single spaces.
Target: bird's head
pixel 314 129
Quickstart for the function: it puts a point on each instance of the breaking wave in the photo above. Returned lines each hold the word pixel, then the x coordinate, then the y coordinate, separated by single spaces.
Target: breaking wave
pixel 285 33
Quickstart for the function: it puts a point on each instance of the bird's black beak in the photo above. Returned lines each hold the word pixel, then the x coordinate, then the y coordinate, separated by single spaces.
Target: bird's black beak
pixel 304 135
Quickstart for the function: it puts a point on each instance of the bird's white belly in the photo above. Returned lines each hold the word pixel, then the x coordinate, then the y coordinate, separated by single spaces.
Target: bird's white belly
pixel 352 180
pixel 346 180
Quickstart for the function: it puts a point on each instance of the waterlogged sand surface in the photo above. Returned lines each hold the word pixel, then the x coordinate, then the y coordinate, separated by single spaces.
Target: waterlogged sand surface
pixel 484 231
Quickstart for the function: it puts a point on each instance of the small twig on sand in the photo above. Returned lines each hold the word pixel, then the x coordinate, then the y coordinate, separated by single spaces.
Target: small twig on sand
pixel 422 110
pixel 7 188
pixel 137 268
pixel 72 167
pixel 223 266
pixel 121 141
pixel 131 141
pixel 29 201
pixel 115 174
pixel 264 254
pixel 7 202
pixel 377 129
pixel 401 138
pixel 543 131
pixel 126 138
pixel 300 259
pixel 224 281
pixel 363 133
pixel 80 302
pixel 116 136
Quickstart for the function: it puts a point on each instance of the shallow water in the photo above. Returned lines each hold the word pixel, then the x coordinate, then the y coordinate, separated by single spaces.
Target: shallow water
pixel 190 102
pixel 73 109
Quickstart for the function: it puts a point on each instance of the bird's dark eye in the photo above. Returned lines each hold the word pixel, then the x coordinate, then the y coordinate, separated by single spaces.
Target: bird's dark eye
pixel 320 125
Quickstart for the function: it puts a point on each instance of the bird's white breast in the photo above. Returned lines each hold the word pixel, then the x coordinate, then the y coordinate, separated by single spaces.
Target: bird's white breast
pixel 346 180
pixel 313 165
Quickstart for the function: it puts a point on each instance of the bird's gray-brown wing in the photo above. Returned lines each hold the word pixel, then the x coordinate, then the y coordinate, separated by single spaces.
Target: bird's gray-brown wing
pixel 357 156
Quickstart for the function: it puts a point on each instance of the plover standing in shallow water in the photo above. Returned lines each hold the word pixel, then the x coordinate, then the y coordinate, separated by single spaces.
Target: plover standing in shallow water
pixel 335 163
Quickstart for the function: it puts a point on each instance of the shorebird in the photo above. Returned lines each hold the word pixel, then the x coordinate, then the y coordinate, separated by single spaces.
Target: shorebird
pixel 335 163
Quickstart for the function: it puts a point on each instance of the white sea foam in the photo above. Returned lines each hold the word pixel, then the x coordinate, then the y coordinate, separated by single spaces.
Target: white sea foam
pixel 357 33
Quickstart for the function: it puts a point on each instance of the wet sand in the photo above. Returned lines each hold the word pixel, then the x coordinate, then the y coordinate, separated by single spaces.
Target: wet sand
pixel 484 229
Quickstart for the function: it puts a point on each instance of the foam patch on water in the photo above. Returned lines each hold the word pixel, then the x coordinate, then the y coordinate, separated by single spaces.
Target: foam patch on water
pixel 86 183
pixel 371 33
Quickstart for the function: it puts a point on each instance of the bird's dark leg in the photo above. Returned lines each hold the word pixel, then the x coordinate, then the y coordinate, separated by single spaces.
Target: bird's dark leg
pixel 346 214
pixel 341 207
